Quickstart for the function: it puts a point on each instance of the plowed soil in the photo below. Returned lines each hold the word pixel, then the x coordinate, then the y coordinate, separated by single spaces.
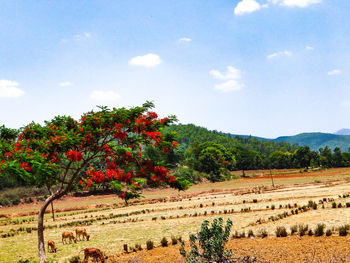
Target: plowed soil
pixel 274 250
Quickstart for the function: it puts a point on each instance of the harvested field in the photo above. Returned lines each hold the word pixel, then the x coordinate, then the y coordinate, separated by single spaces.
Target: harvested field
pixel 251 203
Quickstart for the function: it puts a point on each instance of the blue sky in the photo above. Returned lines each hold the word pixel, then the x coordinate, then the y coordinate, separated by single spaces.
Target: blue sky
pixel 261 67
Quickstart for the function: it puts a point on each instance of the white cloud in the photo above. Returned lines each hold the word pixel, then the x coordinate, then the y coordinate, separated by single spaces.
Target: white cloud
pixel 185 39
pixel 229 85
pixel 309 48
pixel 231 73
pixel 149 60
pixel 280 53
pixel 66 84
pixel 231 79
pixel 8 89
pixel 296 3
pixel 334 72
pixel 246 6
pixel 104 95
pixel 82 36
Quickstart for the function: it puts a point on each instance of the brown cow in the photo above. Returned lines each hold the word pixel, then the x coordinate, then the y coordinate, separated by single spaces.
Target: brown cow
pixel 94 253
pixel 69 235
pixel 51 246
pixel 82 232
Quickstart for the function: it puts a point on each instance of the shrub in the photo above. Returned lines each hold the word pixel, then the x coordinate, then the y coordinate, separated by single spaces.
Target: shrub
pixel 340 205
pixel 272 207
pixel 263 233
pixel 310 233
pixel 334 205
pixel 164 242
pixel 211 241
pixel 347 204
pixel 74 259
pixel 293 229
pixel 343 231
pixel 328 232
pixel 250 233
pixel 255 200
pixel 149 245
pixel 173 240
pixel 138 247
pixel 281 231
pixel 319 231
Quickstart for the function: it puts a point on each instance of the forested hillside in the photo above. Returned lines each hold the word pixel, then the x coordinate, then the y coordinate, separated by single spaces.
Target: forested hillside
pixel 190 133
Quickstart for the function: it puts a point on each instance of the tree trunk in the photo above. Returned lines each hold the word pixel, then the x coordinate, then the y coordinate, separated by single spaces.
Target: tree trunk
pixel 41 241
pixel 53 211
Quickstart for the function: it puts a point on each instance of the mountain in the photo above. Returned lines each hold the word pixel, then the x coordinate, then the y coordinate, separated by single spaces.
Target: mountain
pixel 190 133
pixel 343 132
pixel 316 140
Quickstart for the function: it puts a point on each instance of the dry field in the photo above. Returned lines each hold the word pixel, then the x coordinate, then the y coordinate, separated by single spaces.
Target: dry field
pixel 165 213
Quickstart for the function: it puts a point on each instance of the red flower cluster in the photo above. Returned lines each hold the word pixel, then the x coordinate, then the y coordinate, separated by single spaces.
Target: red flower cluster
pixel 74 156
pixel 25 166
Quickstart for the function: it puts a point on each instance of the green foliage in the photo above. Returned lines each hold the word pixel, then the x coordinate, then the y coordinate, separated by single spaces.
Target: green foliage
pixel 164 242
pixel 319 231
pixel 211 240
pixel 281 231
pixel 149 244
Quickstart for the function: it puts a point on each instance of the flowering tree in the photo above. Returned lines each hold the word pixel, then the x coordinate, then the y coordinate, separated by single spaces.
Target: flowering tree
pixel 64 152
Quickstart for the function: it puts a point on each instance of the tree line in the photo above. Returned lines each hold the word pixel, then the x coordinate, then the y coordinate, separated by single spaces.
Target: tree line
pixel 215 154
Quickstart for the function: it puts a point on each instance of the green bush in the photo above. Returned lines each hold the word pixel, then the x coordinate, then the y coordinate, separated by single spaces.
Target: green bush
pixel 164 242
pixel 293 229
pixel 74 259
pixel 281 231
pixel 173 240
pixel 319 231
pixel 212 240
pixel 343 231
pixel 302 229
pixel 149 245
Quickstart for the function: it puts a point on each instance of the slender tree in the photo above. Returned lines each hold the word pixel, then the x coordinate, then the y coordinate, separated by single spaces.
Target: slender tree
pixel 64 152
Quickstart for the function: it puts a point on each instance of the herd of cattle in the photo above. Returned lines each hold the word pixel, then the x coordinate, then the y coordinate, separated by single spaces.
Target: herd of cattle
pixel 94 253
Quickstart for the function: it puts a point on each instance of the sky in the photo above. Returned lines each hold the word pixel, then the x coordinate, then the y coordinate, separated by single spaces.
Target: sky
pixel 267 68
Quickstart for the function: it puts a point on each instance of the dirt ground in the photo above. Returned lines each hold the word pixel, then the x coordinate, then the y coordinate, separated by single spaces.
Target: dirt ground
pixel 273 250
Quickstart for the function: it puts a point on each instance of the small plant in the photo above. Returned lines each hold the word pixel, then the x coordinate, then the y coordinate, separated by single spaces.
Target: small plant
pixel 334 205
pixel 138 247
pixel 310 233
pixel 319 231
pixel 164 242
pixel 74 259
pixel 328 232
pixel 263 233
pixel 149 245
pixel 347 204
pixel 340 205
pixel 173 240
pixel 281 231
pixel 272 207
pixel 255 200
pixel 211 240
pixel 343 231
pixel 250 233
pixel 293 229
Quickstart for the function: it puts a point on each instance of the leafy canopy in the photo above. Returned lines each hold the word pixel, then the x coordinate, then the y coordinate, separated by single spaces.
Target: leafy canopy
pixel 103 147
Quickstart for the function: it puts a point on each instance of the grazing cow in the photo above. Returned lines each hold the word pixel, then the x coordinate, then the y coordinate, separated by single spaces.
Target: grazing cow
pixel 94 253
pixel 82 232
pixel 69 235
pixel 51 246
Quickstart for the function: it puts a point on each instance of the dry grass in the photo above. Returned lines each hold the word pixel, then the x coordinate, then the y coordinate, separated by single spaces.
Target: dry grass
pixel 199 199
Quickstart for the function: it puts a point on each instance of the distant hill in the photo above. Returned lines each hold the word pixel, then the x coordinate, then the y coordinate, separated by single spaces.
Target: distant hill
pixel 316 140
pixel 343 132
